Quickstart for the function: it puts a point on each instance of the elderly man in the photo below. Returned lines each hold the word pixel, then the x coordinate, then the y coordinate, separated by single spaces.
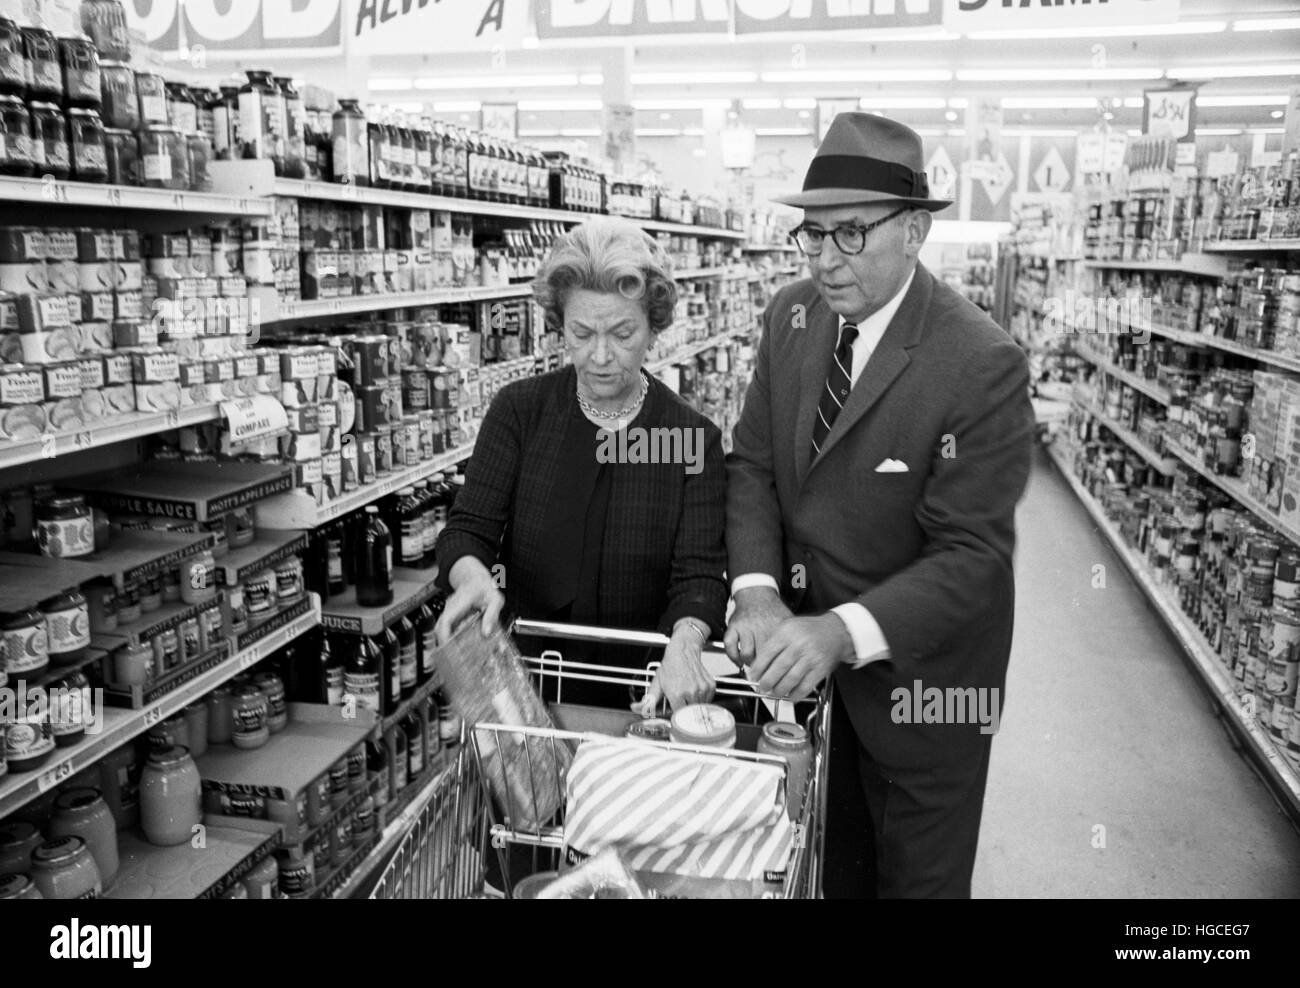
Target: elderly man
pixel 885 442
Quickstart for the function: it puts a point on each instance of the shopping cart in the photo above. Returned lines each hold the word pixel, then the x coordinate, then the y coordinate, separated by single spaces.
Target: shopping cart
pixel 443 856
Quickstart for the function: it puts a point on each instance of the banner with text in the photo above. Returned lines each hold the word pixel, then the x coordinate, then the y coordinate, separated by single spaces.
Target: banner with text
pixel 627 18
pixel 768 16
pixel 403 27
pixel 1013 15
pixel 250 25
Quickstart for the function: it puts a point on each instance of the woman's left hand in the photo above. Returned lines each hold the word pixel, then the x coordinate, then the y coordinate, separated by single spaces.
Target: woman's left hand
pixel 682 678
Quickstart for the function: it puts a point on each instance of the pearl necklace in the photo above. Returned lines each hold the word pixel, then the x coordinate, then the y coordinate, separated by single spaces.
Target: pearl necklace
pixel 592 410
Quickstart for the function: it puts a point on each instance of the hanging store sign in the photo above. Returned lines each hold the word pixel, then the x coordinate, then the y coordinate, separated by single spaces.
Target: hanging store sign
pixel 501 120
pixel 984 138
pixel 624 18
pixel 619 128
pixel 1170 113
pixel 246 26
pixel 768 16
pixel 404 27
pixel 1011 15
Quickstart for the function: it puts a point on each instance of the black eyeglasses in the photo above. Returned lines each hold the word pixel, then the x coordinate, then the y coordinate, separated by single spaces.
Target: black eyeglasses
pixel 850 238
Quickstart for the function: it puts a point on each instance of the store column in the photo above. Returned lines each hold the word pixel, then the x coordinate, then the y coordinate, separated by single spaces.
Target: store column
pixel 618 118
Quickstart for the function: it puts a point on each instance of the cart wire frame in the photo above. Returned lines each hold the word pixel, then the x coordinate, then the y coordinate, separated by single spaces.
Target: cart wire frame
pixel 442 856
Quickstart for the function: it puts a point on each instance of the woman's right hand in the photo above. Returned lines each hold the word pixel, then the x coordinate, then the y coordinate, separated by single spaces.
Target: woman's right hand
pixel 475 590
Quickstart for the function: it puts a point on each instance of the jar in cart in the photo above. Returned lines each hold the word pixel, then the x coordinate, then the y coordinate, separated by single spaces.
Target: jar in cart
pixel 789 742
pixel 81 76
pixel 67 627
pixel 13 59
pixel 170 797
pixel 63 868
pixel 18 839
pixel 89 155
pixel 17 886
pixel 44 71
pixel 134 664
pixel 704 725
pixel 83 813
pixel 25 644
pixel 119 99
pixel 17 153
pixel 105 22
pixel 277 711
pixel 50 140
pixel 249 713
pixel 220 704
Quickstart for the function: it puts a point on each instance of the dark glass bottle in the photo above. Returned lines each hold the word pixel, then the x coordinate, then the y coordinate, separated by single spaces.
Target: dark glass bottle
pixel 361 675
pixel 374 562
pixel 462 163
pixel 257 99
pixel 399 762
pixel 336 582
pixel 409 517
pixel 330 666
pixel 413 728
pixel 408 657
pixel 225 124
pixel 377 768
pixel 378 155
pixel 426 620
pixel 392 672
pixel 423 156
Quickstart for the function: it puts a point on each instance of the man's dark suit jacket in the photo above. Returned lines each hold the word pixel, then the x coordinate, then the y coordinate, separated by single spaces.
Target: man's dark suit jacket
pixel 928 551
pixel 663 555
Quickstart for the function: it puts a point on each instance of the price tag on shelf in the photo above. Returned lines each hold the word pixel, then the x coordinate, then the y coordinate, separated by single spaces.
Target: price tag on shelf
pixel 84 440
pixel 250 658
pixel 349 192
pixel 173 420
pixel 50 778
pixel 152 716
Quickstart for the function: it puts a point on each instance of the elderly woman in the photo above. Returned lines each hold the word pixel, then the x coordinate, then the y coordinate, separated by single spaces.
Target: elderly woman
pixel 587 530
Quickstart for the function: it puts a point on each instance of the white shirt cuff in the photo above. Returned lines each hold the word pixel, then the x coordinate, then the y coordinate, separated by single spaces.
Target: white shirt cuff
pixel 747 581
pixel 869 643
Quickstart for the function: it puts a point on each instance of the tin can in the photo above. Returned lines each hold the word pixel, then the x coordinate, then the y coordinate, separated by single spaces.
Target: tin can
pixel 383 451
pixel 412 441
pixel 655 729
pixel 424 421
pixel 400 460
pixel 370 357
pixel 1286 576
pixel 289 582
pixel 350 479
pixel 372 407
pixel 439 388
pixel 415 388
pixel 367 464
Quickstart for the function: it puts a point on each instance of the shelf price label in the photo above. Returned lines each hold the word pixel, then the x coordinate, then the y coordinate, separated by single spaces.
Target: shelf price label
pixel 83 440
pixel 152 716
pixel 50 778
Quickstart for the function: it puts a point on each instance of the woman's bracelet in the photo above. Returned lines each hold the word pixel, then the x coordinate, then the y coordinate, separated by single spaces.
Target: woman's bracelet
pixel 694 626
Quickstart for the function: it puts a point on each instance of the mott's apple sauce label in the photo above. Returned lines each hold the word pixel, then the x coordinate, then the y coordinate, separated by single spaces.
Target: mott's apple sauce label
pixel 26 648
pixel 68 627
pixel 363 686
pixel 66 538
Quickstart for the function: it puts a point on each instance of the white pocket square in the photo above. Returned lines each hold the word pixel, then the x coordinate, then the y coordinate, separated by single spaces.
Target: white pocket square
pixel 892 466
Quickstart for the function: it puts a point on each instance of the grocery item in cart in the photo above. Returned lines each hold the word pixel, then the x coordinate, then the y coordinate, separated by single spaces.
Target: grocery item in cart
pixel 485 682
pixel 690 824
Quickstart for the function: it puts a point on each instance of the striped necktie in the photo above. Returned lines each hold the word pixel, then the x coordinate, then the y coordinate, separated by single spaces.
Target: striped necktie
pixel 838 385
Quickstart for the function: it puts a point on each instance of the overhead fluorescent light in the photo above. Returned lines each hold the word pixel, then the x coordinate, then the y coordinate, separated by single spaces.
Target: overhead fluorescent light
pixel 1136 102
pixel 1102 31
pixel 529 42
pixel 457 106
pixel 1055 75
pixel 681 104
pixel 1040 132
pixel 407 107
pixel 692 78
pixel 1275 99
pixel 489 81
pixel 1133 132
pixel 861 75
pixel 559 105
pixel 782 132
pixel 591 79
pixel 958 103
pixel 1232 71
pixel 692 131
pixel 1263 130
pixel 902 103
pixel 957 132
pixel 1268 24
pixel 1218 131
pixel 1049 102
pixel 390 85
pixel 658 132
pixel 760 104
pixel 579 131
pixel 542 132
pixel 799 103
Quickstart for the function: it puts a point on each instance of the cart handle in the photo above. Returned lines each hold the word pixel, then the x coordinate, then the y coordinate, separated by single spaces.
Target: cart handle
pixel 588 633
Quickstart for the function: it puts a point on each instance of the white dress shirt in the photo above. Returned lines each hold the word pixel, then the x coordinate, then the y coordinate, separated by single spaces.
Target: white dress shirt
pixel 869 643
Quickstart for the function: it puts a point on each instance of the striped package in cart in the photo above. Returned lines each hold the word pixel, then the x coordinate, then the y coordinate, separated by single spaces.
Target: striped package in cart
pixel 715 821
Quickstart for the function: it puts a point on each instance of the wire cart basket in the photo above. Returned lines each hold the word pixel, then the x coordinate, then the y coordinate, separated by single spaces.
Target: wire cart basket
pixel 444 855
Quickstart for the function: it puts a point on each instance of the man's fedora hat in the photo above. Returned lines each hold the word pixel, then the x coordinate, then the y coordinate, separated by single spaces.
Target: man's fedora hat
pixel 866 158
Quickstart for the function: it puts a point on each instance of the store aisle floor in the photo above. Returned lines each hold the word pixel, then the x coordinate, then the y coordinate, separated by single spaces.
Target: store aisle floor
pixel 1105 726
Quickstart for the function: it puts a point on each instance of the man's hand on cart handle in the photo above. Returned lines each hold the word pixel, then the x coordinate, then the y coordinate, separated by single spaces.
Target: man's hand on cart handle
pixel 682 677
pixel 800 654
pixel 759 610
pixel 475 590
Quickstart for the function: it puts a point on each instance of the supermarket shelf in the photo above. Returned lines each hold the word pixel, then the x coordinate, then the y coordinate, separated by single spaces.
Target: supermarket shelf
pixel 120 725
pixel 1209 265
pixel 297 510
pixel 1193 642
pixel 416 200
pixel 91 196
pixel 689 352
pixel 1188 338
pixel 1164 465
pixel 700 273
pixel 786 248
pixel 1148 388
pixel 183 872
pixel 411 588
pixel 135 425
pixel 351 305
pixel 1236 490
pixel 1250 246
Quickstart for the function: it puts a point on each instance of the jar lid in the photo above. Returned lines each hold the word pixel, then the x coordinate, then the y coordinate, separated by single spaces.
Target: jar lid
pixel 21 619
pixel 44 106
pixel 17 833
pixel 172 755
pixel 17 100
pixel 59 851
pixel 785 735
pixel 14 886
pixel 703 723
pixel 268 679
pixel 245 690
pixel 72 597
pixel 78 799
pixel 78 111
pixel 112 63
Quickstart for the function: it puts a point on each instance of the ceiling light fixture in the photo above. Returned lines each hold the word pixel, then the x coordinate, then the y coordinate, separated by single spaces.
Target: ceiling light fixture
pixel 1102 31
pixel 861 75
pixel 761 104
pixel 692 78
pixel 1232 71
pixel 559 105
pixel 579 131
pixel 1269 100
pixel 497 82
pixel 1268 24
pixel 950 116
pixel 901 103
pixel 1276 114
pixel 782 132
pixel 1049 102
pixel 1056 75
pixel 1218 131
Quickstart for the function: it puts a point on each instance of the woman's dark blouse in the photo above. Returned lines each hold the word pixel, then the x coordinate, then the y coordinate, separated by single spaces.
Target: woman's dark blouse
pixel 662 553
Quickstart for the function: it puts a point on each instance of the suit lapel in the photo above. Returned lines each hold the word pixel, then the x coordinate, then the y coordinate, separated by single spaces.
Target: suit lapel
pixel 886 363
pixel 818 346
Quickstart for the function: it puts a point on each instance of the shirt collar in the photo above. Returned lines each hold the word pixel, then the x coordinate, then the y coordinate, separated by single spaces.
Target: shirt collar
pixel 874 326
